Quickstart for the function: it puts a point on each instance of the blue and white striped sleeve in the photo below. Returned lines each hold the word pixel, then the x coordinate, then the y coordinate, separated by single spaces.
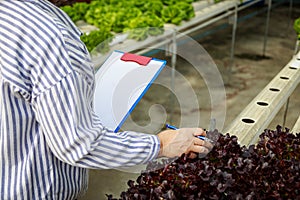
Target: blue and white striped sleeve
pixel 55 69
pixel 76 136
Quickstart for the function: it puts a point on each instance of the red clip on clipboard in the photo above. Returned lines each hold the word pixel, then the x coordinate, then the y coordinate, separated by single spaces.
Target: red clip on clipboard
pixel 142 60
pixel 121 82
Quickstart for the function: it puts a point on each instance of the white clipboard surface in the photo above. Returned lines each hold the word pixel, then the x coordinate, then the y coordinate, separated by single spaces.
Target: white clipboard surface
pixel 121 82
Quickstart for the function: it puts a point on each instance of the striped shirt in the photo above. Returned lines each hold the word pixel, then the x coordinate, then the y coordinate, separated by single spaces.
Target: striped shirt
pixel 49 133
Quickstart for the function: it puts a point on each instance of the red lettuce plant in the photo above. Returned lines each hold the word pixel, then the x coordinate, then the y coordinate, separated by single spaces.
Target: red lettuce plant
pixel 268 170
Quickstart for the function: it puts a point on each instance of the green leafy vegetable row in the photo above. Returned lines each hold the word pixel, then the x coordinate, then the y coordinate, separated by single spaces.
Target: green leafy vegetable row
pixel 140 18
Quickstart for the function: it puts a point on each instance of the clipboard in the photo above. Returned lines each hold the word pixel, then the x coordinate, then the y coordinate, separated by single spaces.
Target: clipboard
pixel 121 82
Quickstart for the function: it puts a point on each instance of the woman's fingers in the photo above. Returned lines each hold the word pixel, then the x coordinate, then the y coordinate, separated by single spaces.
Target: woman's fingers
pixel 199 142
pixel 204 143
pixel 199 147
pixel 199 131
pixel 193 155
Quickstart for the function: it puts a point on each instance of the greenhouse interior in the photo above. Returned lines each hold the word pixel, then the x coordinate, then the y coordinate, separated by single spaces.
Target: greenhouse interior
pixel 230 67
pixel 235 62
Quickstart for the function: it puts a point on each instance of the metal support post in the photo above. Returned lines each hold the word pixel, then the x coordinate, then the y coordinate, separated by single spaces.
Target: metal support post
pixel 267 27
pixel 290 10
pixel 296 47
pixel 234 27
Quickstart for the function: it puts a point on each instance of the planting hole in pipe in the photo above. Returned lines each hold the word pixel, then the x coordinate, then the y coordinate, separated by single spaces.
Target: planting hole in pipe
pixel 261 103
pixel 248 121
pixel 293 68
pixel 284 77
pixel 274 89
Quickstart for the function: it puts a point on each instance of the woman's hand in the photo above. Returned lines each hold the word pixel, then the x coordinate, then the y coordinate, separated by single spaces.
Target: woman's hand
pixel 176 142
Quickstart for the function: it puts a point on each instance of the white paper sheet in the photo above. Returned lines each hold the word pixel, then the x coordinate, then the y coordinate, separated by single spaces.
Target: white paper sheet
pixel 119 87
